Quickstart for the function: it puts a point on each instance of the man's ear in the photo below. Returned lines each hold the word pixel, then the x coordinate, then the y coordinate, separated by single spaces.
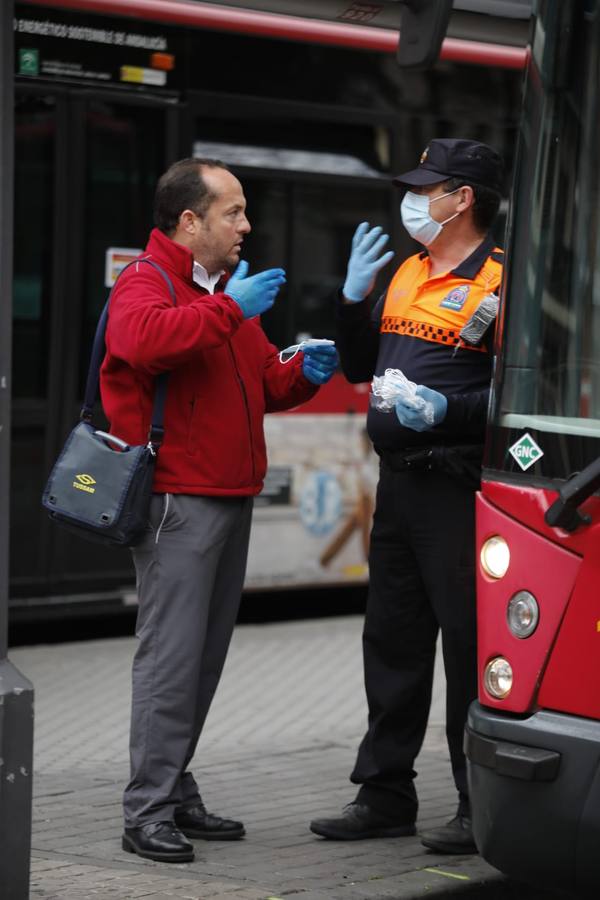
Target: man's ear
pixel 188 221
pixel 467 197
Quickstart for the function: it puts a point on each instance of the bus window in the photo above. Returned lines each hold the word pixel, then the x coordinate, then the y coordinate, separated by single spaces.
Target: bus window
pixel 287 142
pixel 35 123
pixel 325 218
pixel 307 187
pixel 552 336
pixel 293 71
pixel 33 315
pixel 124 162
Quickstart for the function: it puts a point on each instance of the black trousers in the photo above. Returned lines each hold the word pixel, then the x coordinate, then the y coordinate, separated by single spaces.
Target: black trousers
pixel 422 579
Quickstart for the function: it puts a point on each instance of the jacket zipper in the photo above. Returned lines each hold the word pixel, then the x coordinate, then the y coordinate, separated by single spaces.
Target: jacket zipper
pixel 247 407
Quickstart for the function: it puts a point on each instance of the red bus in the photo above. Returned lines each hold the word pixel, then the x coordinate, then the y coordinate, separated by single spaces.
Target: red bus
pixel 313 113
pixel 533 738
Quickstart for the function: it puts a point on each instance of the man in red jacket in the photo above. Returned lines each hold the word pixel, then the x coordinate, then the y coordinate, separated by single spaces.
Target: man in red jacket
pixel 224 375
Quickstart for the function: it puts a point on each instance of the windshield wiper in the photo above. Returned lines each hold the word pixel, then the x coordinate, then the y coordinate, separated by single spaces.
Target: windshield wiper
pixel 564 513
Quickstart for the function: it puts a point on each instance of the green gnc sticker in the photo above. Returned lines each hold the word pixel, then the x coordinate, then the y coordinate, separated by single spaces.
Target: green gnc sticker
pixel 526 452
pixel 29 62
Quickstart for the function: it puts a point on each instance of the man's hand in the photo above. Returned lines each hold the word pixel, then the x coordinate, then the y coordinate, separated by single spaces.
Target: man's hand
pixel 365 261
pixel 319 363
pixel 255 294
pixel 431 413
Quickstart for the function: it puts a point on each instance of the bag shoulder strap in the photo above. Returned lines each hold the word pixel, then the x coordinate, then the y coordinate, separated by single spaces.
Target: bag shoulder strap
pixel 98 352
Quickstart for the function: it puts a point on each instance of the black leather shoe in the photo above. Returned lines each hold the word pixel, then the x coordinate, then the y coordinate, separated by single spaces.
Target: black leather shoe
pixel 196 822
pixel 359 821
pixel 162 841
pixel 454 837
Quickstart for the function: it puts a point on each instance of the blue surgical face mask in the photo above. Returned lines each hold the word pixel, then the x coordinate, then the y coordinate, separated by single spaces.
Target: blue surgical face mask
pixel 417 219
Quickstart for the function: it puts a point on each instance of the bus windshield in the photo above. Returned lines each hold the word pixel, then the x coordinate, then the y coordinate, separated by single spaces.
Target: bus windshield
pixel 547 380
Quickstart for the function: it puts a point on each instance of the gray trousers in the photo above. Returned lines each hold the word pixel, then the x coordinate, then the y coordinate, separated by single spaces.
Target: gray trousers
pixel 190 570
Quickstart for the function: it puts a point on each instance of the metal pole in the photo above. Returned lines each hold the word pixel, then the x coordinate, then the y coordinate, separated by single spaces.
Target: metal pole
pixel 16 692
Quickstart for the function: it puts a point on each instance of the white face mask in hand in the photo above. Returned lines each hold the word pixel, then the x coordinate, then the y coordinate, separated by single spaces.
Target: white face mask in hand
pixel 417 219
pixel 285 356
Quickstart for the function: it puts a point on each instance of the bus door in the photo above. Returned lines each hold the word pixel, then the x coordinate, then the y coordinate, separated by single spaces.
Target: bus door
pixel 86 164
pixel 533 738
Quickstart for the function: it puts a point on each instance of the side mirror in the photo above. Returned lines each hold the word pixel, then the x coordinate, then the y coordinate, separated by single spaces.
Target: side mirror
pixel 423 26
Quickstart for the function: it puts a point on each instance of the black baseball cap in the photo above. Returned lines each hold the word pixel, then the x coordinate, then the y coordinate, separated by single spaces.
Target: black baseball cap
pixel 445 158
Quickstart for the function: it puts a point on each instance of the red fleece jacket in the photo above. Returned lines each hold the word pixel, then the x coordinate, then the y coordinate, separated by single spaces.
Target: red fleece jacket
pixel 224 375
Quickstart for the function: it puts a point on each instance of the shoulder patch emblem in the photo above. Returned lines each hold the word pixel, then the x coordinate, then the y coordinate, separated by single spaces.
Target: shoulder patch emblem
pixel 456 298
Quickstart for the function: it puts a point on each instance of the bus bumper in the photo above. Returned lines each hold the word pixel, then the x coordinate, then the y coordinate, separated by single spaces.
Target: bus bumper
pixel 535 795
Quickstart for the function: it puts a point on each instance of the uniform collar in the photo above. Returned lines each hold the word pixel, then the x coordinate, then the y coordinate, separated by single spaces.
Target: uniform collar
pixel 470 266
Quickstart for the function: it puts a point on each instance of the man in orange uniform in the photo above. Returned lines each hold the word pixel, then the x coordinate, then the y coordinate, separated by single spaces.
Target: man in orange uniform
pixel 421 557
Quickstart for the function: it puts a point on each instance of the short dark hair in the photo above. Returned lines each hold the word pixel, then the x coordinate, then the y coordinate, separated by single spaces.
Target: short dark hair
pixel 183 187
pixel 486 202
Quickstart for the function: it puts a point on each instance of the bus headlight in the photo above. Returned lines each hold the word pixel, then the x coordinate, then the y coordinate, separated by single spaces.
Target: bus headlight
pixel 495 556
pixel 498 678
pixel 523 614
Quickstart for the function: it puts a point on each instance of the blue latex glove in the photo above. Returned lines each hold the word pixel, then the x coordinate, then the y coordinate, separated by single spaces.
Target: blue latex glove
pixel 319 363
pixel 365 261
pixel 415 418
pixel 255 294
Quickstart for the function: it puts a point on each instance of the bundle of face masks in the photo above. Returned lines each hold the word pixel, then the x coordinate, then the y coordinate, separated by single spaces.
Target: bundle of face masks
pixel 392 386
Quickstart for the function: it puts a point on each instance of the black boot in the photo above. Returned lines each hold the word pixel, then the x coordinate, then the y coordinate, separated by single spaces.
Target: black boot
pixel 162 841
pixel 359 821
pixel 454 837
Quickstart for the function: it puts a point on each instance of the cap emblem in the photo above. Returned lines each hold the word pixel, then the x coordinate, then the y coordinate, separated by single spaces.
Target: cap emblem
pixel 424 156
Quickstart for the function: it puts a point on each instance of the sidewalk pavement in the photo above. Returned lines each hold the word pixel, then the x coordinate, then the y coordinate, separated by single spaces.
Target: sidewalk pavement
pixel 277 749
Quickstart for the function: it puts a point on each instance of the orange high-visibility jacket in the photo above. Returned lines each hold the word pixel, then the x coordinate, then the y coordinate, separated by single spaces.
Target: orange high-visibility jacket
pixel 415 327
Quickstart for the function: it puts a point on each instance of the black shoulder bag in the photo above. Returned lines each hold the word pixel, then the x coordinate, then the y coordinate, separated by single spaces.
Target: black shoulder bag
pixel 101 486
